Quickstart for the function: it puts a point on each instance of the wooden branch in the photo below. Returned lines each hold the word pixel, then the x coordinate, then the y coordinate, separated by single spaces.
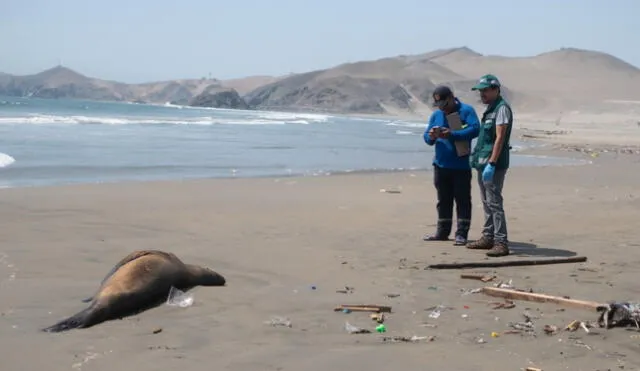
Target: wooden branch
pixel 508 263
pixel 364 308
pixel 540 298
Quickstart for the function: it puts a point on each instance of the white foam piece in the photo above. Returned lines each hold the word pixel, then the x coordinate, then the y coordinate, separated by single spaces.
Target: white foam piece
pixel 6 160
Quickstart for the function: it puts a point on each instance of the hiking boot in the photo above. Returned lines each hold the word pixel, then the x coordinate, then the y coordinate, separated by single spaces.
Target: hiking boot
pixel 498 249
pixel 484 243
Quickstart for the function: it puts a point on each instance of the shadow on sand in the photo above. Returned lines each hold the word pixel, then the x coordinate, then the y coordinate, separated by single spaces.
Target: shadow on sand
pixel 531 249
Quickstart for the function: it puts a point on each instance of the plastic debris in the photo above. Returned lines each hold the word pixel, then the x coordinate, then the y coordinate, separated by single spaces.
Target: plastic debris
pixel 405 339
pixel 508 304
pixel 346 290
pixel 179 298
pixel 471 291
pixel 502 285
pixel 378 317
pixel 436 311
pixel 575 325
pixel 395 191
pixel 550 329
pixel 619 314
pixel 527 326
pixel 279 322
pixel 355 330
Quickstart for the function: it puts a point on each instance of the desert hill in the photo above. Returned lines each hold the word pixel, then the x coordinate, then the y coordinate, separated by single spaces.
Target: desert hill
pixel 561 80
pixel 568 76
pixel 389 85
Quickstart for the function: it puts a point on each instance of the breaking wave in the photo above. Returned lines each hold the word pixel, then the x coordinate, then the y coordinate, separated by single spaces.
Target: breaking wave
pixel 270 118
pixel 406 124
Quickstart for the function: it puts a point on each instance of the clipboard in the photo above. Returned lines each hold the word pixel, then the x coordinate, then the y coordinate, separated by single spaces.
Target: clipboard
pixel 455 123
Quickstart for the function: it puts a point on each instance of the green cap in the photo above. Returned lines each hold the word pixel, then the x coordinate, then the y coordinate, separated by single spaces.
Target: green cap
pixel 487 81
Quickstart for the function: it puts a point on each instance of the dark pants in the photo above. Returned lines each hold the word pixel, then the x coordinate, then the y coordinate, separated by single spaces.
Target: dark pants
pixel 453 185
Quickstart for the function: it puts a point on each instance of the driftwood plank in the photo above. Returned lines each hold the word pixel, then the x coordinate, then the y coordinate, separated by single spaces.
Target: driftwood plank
pixel 540 298
pixel 508 263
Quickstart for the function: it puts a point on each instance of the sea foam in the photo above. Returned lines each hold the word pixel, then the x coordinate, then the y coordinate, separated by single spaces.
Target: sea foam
pixel 268 119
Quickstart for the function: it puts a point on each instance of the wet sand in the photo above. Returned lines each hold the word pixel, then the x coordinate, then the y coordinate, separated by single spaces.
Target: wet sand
pixel 286 245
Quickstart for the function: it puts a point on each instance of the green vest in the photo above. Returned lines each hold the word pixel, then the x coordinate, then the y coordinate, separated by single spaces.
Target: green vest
pixel 487 136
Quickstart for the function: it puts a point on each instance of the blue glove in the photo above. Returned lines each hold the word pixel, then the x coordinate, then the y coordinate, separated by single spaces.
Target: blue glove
pixel 488 172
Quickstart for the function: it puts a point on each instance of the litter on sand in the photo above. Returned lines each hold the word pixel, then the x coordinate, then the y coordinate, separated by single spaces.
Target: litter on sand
pixel 279 322
pixel 363 308
pixel 619 314
pixel 405 339
pixel 179 298
pixel 354 329
pixel 479 277
pixel 508 304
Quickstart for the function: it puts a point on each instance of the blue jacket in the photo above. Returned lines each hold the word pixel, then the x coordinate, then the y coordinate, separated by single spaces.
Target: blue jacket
pixel 445 153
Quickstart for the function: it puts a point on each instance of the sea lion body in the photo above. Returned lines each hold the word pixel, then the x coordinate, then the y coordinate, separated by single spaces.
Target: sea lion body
pixel 140 281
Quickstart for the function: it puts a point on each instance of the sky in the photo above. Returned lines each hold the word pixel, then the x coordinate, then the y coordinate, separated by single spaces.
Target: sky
pixel 142 40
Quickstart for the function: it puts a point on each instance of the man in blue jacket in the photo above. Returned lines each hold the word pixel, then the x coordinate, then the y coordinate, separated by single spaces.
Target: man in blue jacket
pixel 451 173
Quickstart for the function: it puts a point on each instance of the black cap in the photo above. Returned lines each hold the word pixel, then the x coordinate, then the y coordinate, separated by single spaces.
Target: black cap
pixel 440 95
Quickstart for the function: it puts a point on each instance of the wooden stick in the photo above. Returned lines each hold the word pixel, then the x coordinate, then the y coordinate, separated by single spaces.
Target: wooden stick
pixel 472 276
pixel 508 263
pixel 539 298
pixel 364 308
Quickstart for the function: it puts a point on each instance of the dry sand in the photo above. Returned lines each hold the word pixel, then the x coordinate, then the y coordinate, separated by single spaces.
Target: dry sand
pixel 275 239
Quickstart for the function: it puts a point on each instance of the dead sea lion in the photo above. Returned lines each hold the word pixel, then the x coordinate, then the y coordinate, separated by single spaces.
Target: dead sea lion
pixel 140 281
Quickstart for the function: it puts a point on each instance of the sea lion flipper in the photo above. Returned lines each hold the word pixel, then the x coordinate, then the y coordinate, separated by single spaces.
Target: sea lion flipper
pixel 77 320
pixel 133 256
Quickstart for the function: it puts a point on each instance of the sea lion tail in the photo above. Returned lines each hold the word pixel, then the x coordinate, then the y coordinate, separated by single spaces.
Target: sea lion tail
pixel 76 321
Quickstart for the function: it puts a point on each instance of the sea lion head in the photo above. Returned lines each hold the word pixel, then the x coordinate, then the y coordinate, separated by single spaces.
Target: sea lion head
pixel 203 276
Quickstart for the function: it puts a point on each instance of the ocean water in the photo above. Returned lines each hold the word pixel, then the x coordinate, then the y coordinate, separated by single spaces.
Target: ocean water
pixel 52 142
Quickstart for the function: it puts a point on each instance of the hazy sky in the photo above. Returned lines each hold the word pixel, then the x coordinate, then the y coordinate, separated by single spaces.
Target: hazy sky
pixel 143 40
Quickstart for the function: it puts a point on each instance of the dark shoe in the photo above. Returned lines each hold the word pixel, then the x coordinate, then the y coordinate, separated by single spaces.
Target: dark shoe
pixel 460 241
pixel 484 243
pixel 435 237
pixel 498 249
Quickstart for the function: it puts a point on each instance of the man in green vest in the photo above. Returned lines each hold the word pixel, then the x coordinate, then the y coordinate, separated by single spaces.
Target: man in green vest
pixel 490 158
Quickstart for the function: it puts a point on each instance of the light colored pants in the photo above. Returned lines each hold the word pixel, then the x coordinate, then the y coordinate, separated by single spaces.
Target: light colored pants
pixel 495 222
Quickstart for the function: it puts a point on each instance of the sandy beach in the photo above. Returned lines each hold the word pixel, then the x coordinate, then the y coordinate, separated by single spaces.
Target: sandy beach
pixel 286 245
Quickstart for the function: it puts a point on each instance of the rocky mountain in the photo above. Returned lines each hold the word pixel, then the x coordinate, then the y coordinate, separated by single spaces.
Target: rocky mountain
pixel 388 85
pixel 565 79
pixel 219 97
pixel 62 82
